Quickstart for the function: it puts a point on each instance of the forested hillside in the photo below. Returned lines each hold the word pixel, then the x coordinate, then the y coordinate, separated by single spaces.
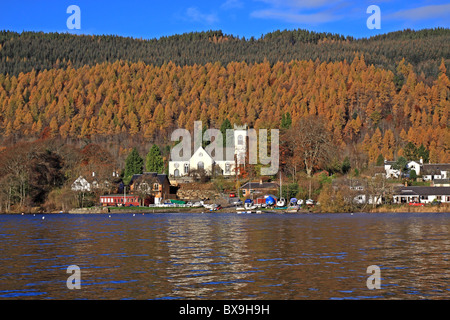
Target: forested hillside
pixel 31 50
pixel 124 104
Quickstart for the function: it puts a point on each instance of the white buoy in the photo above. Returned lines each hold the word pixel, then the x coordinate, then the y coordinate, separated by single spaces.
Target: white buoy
pixel 133 214
pixel 43 218
pixel 110 216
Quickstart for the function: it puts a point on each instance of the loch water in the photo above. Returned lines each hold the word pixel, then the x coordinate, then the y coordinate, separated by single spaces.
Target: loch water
pixel 225 256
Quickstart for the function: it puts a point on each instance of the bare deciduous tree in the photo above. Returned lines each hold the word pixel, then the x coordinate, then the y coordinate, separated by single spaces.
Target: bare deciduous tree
pixel 310 142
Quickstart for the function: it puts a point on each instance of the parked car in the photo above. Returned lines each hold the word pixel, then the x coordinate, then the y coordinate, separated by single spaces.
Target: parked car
pixel 232 195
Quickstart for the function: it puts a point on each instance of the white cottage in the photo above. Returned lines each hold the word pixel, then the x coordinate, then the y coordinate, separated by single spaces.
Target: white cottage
pixel 436 171
pixel 428 171
pixel 81 184
pixel 422 194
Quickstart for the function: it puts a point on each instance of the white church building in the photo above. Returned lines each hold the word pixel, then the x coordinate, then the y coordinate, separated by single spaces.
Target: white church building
pixel 201 159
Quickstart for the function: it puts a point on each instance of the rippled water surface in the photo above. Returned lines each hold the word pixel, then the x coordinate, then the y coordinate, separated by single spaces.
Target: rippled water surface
pixel 225 256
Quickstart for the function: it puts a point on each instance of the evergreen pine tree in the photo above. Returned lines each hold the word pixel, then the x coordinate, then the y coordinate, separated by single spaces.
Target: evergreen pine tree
pixel 423 153
pixel 380 160
pixel 154 161
pixel 226 124
pixel 286 121
pixel 410 151
pixel 134 164
pixel 346 166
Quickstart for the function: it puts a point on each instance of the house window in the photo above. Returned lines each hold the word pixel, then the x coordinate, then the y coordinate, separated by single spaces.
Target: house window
pixel 423 197
pixel 227 168
pixel 176 173
pixel 200 165
pixel 438 198
pixel 155 186
pixel 240 140
pixel 186 168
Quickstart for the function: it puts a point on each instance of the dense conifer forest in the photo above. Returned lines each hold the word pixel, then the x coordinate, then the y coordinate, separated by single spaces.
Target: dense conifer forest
pixel 33 50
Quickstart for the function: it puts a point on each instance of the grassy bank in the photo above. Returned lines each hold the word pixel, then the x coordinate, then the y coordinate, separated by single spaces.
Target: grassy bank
pixel 155 209
pixel 392 208
pixel 407 208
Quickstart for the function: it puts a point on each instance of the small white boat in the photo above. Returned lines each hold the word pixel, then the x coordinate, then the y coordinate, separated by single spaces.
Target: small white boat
pixel 292 209
pixel 249 205
pixel 309 202
pixel 281 202
pixel 207 206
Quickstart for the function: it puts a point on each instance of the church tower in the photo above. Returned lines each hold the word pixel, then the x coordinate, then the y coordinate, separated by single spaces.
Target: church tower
pixel 240 143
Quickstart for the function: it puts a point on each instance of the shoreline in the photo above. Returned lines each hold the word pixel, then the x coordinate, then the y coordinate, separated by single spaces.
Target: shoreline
pixel 315 210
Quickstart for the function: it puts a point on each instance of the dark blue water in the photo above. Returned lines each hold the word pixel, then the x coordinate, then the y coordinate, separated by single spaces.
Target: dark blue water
pixel 225 256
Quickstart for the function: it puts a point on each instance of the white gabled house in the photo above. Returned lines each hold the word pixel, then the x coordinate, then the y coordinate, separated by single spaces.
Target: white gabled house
pixel 435 171
pixel 416 166
pixel 392 173
pixel 428 171
pixel 359 193
pixel 81 184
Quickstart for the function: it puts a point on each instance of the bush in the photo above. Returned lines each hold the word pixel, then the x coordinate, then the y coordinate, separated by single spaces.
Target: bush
pixel 413 175
pixel 332 200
